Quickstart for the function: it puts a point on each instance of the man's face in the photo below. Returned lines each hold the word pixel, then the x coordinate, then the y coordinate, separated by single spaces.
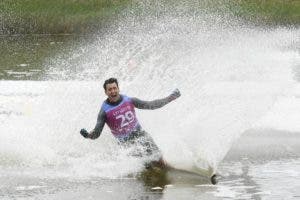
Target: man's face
pixel 112 91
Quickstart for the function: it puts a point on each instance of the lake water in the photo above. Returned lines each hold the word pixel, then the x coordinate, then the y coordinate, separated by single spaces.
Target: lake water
pixel 239 110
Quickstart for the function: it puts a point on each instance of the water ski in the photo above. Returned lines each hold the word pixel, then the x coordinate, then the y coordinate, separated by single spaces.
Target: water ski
pixel 158 170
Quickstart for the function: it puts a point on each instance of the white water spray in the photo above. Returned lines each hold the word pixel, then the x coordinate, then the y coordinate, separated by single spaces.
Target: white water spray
pixel 229 76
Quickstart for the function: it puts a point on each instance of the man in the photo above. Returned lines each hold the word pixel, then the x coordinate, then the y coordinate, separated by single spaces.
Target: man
pixel 118 113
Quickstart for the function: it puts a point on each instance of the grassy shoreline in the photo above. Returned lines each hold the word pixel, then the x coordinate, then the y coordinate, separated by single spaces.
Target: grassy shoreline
pixel 269 12
pixel 57 16
pixel 86 16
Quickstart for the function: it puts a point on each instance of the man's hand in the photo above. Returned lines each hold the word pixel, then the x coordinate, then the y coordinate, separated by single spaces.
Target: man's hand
pixel 84 133
pixel 175 94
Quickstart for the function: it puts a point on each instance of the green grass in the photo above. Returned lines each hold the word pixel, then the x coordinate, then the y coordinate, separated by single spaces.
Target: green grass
pixel 84 16
pixel 282 12
pixel 57 16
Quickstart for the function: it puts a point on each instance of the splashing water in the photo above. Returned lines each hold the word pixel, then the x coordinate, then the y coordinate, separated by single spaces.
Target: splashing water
pixel 229 75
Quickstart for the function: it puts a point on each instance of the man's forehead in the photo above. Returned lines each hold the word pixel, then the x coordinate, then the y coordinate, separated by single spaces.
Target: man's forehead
pixel 111 85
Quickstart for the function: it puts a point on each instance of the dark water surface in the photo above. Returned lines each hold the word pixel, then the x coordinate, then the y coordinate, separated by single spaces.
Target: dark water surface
pixel 27 57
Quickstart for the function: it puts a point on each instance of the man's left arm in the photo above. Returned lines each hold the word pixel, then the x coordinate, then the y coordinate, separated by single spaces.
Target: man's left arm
pixel 158 103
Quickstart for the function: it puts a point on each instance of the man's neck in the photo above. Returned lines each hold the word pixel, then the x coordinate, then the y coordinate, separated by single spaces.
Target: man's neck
pixel 115 102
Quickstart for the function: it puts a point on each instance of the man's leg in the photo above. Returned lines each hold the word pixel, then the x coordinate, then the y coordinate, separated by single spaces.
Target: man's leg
pixel 161 163
pixel 151 149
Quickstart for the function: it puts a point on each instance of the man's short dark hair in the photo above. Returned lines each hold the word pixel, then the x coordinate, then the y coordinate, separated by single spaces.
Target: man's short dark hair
pixel 110 81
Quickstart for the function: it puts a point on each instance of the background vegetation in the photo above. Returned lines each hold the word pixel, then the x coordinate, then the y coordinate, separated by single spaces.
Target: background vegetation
pixel 273 12
pixel 80 16
pixel 57 16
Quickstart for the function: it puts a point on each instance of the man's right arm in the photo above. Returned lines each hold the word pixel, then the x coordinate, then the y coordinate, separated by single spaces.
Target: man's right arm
pixel 95 133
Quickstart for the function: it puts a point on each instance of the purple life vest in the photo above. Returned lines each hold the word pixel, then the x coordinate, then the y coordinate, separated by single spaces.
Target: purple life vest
pixel 121 118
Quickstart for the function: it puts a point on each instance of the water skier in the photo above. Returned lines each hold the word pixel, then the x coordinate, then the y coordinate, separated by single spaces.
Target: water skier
pixel 118 112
